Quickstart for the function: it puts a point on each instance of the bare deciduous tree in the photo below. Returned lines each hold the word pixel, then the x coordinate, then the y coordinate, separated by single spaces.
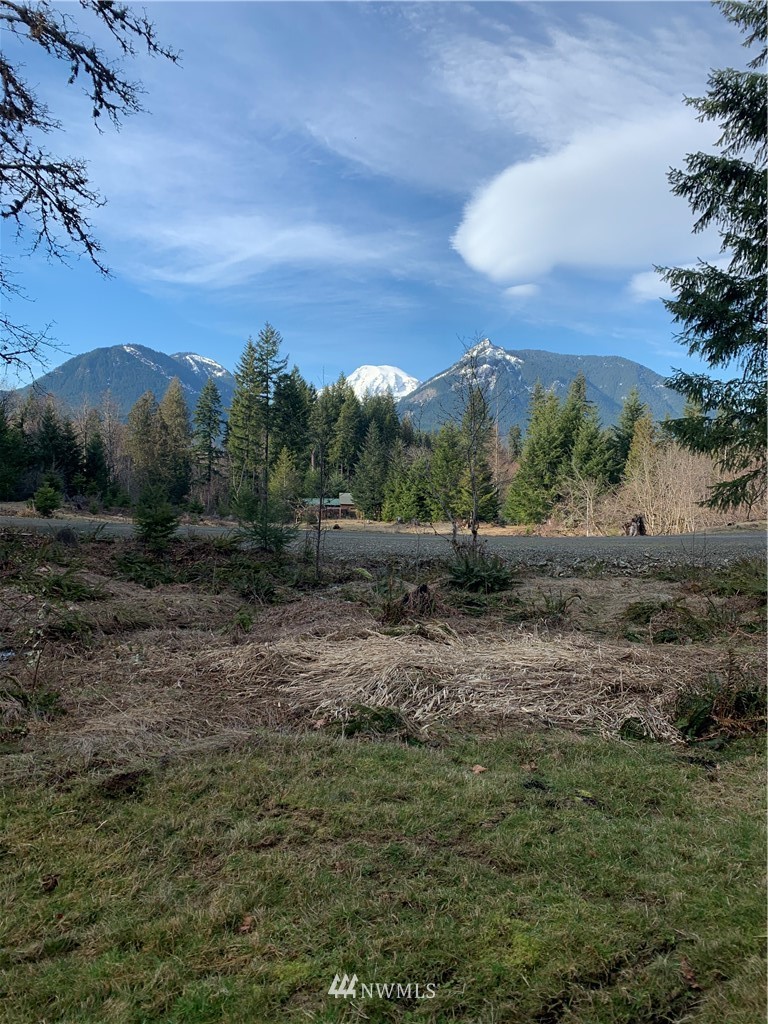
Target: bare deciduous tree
pixel 45 195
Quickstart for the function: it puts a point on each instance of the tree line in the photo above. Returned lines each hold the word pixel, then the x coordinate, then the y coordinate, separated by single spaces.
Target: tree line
pixel 283 441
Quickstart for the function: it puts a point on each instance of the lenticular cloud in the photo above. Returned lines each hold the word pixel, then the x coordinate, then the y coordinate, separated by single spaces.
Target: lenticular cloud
pixel 602 201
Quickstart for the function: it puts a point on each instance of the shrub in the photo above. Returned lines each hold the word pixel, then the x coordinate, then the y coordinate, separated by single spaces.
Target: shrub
pixel 473 569
pixel 723 705
pixel 263 524
pixel 46 500
pixel 155 518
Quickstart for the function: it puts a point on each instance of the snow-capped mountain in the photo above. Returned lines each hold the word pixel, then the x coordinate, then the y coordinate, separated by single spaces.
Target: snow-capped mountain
pixel 125 372
pixel 509 377
pixel 377 380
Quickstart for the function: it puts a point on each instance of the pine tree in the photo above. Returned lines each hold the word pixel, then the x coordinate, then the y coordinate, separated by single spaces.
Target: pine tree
pixel 534 490
pixel 722 309
pixel 146 442
pixel 591 455
pixel 479 500
pixel 244 424
pixel 251 437
pixel 322 421
pixel 644 440
pixel 285 484
pixel 269 372
pixel 515 442
pixel 175 416
pixel 13 455
pixel 206 434
pixel 291 415
pixel 585 478
pixel 621 434
pixel 371 475
pixel 447 465
pixel 348 435
pixel 406 493
pixel 574 410
pixel 381 410
pixel 46 441
pixel 96 470
pixel 57 450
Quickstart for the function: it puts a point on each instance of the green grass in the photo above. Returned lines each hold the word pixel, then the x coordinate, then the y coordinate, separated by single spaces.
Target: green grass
pixel 575 880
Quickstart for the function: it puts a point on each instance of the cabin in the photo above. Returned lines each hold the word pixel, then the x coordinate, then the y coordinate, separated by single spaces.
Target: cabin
pixel 342 507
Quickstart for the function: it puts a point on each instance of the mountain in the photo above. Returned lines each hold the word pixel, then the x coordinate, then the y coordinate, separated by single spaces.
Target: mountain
pixel 376 380
pixel 126 372
pixel 511 376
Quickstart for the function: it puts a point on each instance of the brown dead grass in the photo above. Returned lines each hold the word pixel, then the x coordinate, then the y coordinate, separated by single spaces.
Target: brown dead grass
pixel 171 690
pixel 170 669
pixel 553 680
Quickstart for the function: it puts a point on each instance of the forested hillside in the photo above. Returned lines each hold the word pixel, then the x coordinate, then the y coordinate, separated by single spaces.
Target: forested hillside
pixel 122 373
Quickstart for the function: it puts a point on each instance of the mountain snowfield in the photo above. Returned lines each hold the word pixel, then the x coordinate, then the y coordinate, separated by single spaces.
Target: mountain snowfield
pixel 201 364
pixel 377 380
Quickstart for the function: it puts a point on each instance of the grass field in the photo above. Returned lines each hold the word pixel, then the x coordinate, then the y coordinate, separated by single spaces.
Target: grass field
pixel 225 783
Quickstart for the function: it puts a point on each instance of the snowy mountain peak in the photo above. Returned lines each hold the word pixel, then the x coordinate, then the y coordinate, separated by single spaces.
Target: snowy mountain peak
pixel 485 350
pixel 377 380
pixel 201 364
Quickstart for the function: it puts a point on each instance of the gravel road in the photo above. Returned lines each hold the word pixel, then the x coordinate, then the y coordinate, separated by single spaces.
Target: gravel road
pixel 551 554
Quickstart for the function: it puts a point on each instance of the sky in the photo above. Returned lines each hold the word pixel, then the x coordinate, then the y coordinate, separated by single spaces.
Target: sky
pixel 387 182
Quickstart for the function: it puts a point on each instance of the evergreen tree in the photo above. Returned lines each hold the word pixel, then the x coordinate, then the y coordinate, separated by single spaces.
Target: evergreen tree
pixel 57 451
pixel 348 435
pixel 291 415
pixel 206 434
pixel 479 500
pixel 447 465
pixel 722 310
pixel 244 424
pixel 534 490
pixel 406 494
pixel 322 421
pixel 515 442
pixel 178 432
pixel 13 455
pixel 334 396
pixel 591 455
pixel 146 442
pixel 381 410
pixel 407 432
pixel 285 483
pixel 69 458
pixel 621 434
pixel 478 495
pixel 269 372
pixel 251 437
pixel 572 415
pixel 644 440
pixel 371 475
pixel 96 469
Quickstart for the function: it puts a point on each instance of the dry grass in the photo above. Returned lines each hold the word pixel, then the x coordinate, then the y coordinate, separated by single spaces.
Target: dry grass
pixel 143 673
pixel 520 677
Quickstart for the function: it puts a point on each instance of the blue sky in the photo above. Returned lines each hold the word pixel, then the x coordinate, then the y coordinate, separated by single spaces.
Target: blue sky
pixel 384 182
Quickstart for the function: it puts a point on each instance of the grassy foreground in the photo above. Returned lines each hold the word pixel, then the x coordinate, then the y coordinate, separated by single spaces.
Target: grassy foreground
pixel 575 879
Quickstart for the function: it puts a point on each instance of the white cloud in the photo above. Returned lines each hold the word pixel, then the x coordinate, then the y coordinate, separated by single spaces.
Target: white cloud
pixel 222 250
pixel 522 291
pixel 648 287
pixel 602 202
pixel 555 88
